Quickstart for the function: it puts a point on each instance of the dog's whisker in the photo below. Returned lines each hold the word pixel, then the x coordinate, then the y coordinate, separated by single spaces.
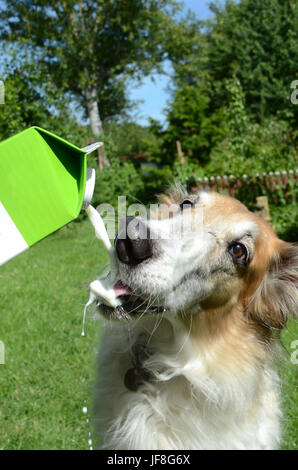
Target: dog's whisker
pixel 143 313
pixel 157 323
pixel 136 308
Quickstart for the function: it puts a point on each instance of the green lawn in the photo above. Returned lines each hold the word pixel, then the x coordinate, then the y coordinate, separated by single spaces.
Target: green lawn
pixel 49 367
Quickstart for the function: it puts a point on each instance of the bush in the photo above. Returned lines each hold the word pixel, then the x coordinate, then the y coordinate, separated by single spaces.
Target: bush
pixel 119 179
pixel 155 180
pixel 250 147
pixel 284 221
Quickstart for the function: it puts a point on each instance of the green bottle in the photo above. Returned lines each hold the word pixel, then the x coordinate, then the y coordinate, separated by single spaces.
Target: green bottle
pixel 44 182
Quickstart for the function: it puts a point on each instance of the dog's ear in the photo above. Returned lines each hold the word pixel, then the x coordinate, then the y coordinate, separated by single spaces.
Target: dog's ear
pixel 276 298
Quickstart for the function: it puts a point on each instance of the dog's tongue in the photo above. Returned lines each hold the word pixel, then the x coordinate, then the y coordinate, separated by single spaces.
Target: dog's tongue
pixel 121 289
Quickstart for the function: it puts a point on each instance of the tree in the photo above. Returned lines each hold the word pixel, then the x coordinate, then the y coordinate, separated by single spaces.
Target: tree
pixel 249 47
pixel 190 123
pixel 190 119
pixel 257 41
pixel 88 47
pixel 32 100
pixel 24 105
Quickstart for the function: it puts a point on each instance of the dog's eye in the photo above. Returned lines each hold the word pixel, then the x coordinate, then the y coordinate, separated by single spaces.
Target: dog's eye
pixel 186 204
pixel 238 252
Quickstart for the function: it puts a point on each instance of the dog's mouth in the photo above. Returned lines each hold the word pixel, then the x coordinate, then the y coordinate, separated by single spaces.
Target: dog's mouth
pixel 132 304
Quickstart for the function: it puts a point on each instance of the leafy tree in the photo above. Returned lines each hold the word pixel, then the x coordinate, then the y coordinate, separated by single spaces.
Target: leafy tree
pixel 232 89
pixel 257 41
pixel 30 100
pixel 120 178
pixel 190 123
pixel 131 141
pixel 88 47
pixel 24 105
pixel 250 147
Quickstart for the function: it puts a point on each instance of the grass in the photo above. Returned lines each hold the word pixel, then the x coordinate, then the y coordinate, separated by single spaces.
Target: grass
pixel 288 373
pixel 49 368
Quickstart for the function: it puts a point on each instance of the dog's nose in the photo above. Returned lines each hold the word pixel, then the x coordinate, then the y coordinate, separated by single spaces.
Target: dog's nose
pixel 132 241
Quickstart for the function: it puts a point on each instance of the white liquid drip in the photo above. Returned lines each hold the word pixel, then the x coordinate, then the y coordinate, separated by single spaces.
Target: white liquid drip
pixel 90 443
pixel 92 297
pixel 102 290
pixel 101 233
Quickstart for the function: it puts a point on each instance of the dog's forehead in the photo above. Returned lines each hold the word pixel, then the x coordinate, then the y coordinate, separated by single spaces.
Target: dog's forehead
pixel 227 216
pixel 220 202
pixel 233 228
pixel 220 215
pixel 211 213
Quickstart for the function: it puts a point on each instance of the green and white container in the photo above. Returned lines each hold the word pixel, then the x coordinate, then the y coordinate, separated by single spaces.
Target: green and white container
pixel 44 182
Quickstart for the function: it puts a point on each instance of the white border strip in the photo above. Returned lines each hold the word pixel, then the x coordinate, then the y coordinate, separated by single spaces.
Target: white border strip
pixel 11 241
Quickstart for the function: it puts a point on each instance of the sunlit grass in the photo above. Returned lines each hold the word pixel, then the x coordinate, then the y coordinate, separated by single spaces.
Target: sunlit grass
pixel 48 370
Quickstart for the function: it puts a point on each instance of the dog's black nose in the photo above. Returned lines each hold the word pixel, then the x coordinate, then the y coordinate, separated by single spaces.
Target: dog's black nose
pixel 132 241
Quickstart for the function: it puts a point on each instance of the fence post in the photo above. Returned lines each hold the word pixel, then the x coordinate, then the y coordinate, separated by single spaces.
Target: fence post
pixel 226 184
pixel 239 184
pixel 212 183
pixel 271 179
pixel 206 185
pixel 293 181
pixel 262 208
pixel 219 184
pixel 244 177
pixel 200 184
pixel 266 182
pixel 278 181
pixel 232 182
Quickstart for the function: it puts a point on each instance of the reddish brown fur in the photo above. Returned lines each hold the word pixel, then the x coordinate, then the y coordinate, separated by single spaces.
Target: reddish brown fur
pixel 253 310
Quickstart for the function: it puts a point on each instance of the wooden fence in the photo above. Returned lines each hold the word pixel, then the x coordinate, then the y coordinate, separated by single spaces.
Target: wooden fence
pixel 275 185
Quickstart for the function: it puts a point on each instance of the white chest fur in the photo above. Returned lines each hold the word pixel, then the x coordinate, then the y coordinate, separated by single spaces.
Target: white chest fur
pixel 196 400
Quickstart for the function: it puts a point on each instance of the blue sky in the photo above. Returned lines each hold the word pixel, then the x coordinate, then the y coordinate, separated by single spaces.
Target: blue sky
pixel 154 95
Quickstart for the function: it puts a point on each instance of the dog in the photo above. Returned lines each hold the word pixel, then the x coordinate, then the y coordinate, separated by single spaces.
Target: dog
pixel 190 364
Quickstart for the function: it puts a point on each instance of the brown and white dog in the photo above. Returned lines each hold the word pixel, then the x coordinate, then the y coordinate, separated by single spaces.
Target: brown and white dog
pixel 207 290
